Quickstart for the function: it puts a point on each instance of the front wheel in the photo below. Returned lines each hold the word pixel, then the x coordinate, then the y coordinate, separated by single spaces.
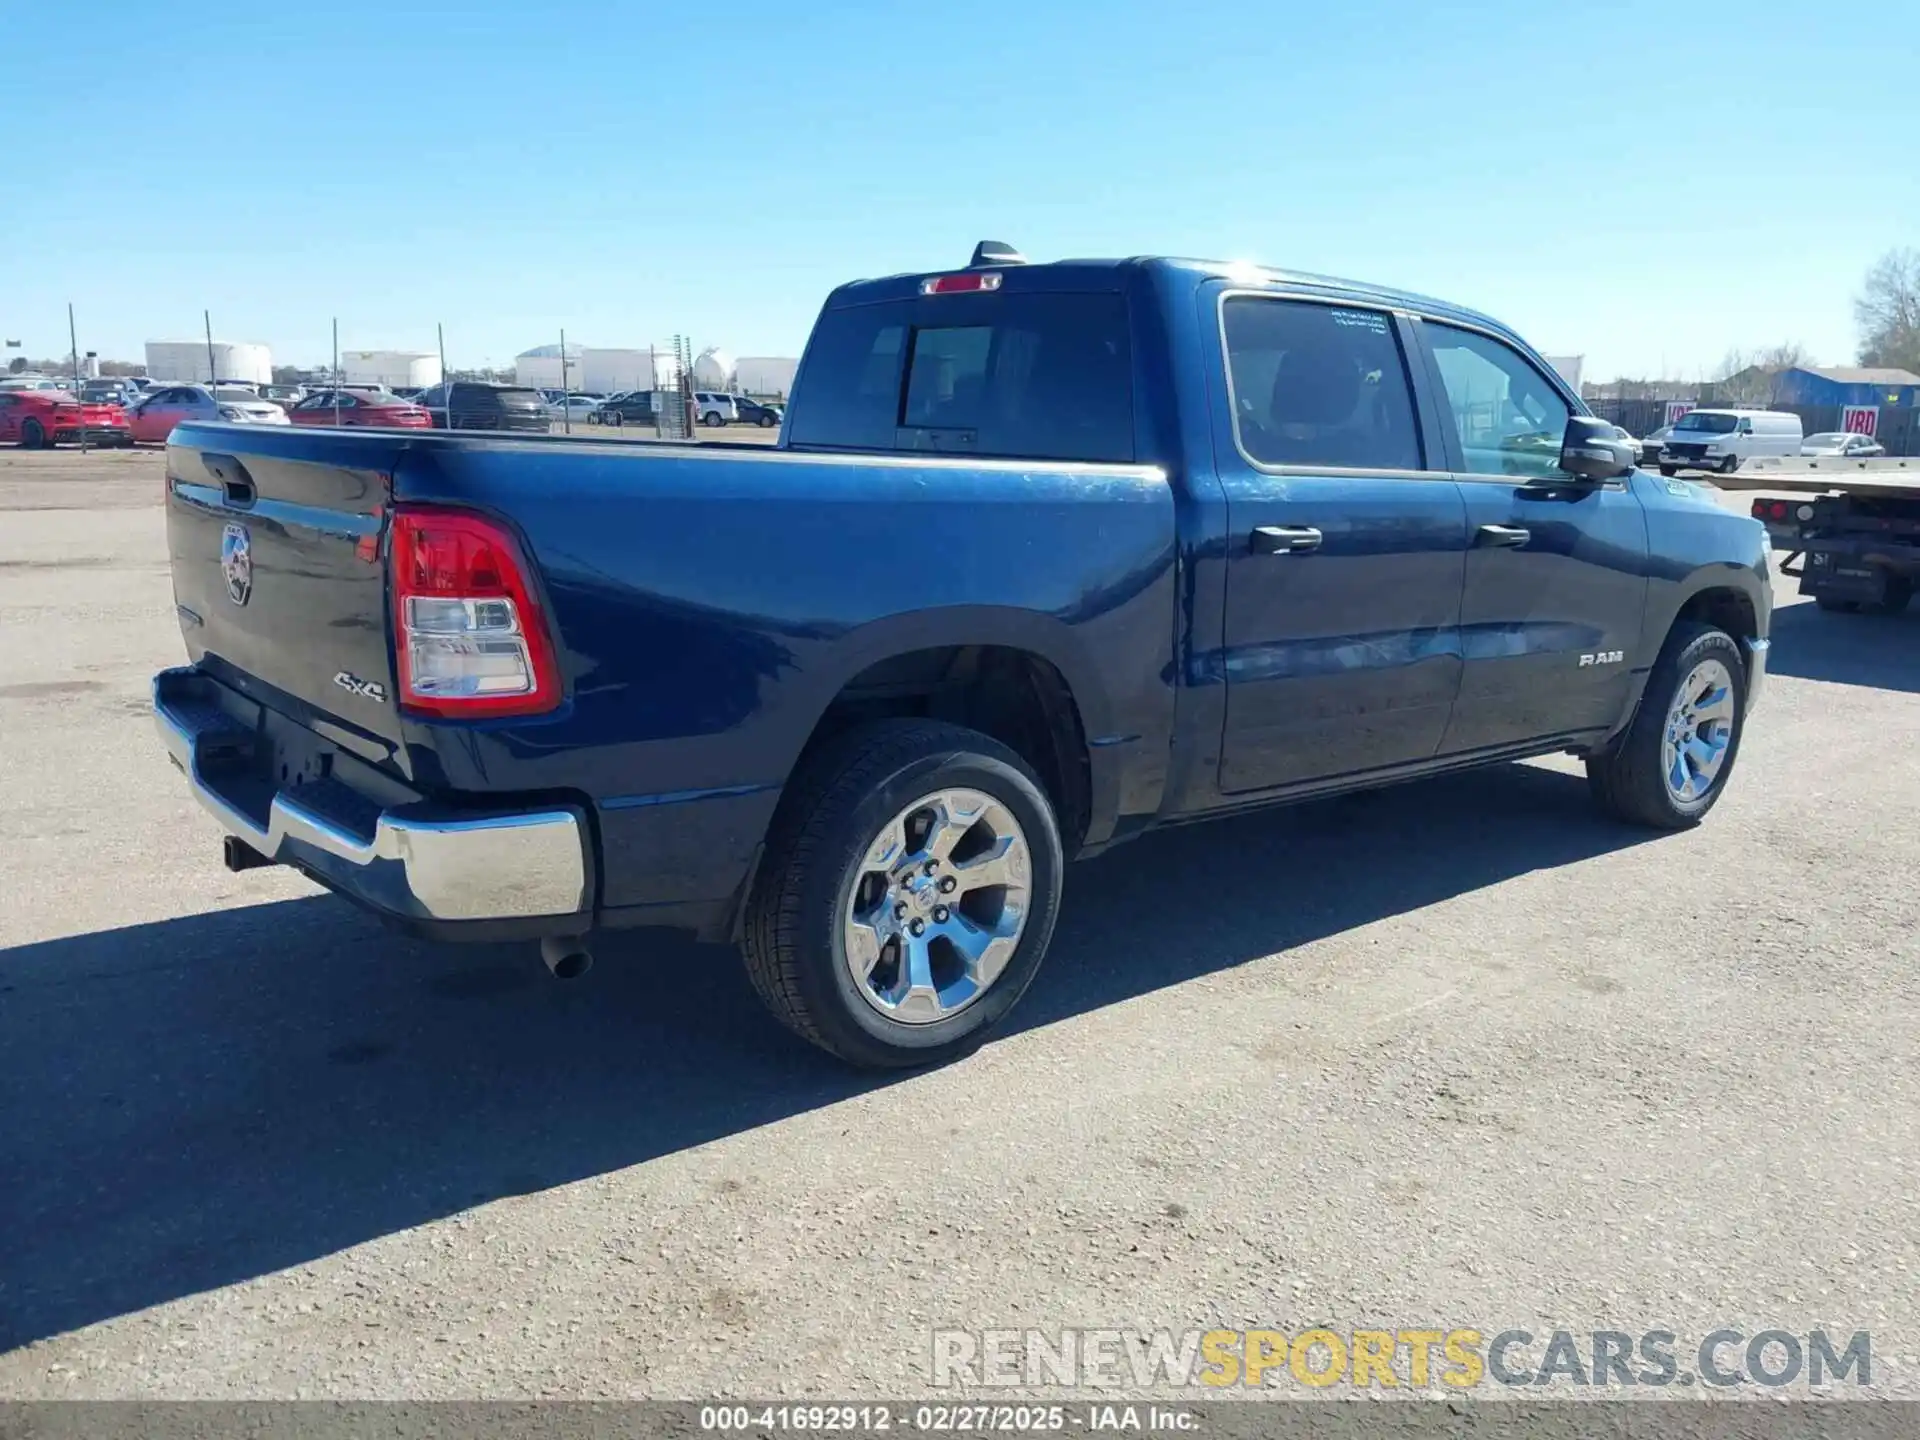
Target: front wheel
pixel 908 893
pixel 1669 471
pixel 1672 765
pixel 766 422
pixel 1730 464
pixel 711 419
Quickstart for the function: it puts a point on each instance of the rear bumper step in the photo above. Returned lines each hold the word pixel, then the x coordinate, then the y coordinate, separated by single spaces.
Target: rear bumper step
pixel 420 865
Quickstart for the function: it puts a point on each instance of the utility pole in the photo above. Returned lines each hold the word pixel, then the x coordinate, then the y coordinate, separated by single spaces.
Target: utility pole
pixel 213 377
pixel 566 409
pixel 73 340
pixel 336 372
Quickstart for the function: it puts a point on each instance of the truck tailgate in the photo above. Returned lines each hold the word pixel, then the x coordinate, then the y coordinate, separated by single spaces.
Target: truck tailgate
pixel 277 568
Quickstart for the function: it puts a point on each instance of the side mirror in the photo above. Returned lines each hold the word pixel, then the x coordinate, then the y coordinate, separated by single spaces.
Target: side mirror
pixel 1591 451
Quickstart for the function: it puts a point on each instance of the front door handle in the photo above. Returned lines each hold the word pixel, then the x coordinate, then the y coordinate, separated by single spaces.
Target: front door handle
pixel 1285 539
pixel 1512 537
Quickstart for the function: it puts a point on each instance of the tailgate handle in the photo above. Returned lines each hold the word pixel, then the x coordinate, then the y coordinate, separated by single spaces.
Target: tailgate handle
pixel 236 485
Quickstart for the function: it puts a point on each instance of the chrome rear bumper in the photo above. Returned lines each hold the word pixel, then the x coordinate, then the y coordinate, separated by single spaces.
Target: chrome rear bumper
pixel 414 864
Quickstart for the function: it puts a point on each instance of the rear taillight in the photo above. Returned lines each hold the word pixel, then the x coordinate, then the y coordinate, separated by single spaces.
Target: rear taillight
pixel 469 637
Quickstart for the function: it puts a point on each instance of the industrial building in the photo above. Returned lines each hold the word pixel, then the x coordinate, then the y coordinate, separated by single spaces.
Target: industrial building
pixel 608 371
pixel 395 369
pixel 1853 386
pixel 765 374
pixel 203 361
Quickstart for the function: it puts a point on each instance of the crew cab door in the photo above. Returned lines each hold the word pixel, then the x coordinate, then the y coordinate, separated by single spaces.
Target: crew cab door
pixel 1341 645
pixel 1556 572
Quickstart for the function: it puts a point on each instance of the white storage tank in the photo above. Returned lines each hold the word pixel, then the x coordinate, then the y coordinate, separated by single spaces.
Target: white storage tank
pixel 611 372
pixel 395 369
pixel 713 370
pixel 765 374
pixel 189 360
pixel 540 367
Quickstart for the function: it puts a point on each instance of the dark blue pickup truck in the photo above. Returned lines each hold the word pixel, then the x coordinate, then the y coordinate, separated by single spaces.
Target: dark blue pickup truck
pixel 1047 555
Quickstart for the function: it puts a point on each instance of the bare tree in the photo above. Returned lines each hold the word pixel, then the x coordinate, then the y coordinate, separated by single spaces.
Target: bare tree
pixel 1751 376
pixel 1887 311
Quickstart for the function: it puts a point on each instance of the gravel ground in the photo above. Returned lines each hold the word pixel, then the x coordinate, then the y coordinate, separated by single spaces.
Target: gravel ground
pixel 1459 1054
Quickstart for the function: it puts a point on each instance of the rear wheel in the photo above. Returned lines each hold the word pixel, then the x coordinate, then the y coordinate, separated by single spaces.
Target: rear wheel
pixel 1671 766
pixel 766 421
pixel 1899 594
pixel 711 419
pixel 908 895
pixel 1669 471
pixel 32 435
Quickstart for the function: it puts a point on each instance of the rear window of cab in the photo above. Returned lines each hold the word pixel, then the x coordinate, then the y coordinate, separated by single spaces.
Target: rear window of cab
pixel 1025 375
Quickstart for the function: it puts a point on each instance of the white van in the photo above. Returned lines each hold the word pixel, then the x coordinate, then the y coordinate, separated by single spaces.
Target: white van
pixel 1724 440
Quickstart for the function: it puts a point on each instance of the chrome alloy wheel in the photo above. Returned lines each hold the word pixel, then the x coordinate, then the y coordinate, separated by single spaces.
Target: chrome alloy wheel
pixel 1699 731
pixel 935 908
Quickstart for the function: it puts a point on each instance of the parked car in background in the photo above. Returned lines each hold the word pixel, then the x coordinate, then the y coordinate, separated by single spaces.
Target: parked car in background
pixel 712 408
pixel 577 408
pixel 1625 437
pixel 285 396
pixel 107 391
pixel 1837 443
pixel 344 408
pixel 755 412
pixel 478 405
pixel 1651 445
pixel 152 419
pixel 1724 440
pixel 30 382
pixel 36 419
pixel 633 408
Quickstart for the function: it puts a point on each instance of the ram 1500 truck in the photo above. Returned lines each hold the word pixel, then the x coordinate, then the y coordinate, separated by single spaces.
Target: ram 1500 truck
pixel 1047 555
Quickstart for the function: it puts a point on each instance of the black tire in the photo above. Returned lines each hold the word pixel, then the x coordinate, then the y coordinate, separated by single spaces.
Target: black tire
pixel 33 436
pixel 835 804
pixel 1730 464
pixel 1627 781
pixel 766 421
pixel 712 419
pixel 1894 599
pixel 1669 470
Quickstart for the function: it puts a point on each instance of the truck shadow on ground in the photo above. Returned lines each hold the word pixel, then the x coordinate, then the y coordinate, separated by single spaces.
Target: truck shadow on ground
pixel 196 1102
pixel 1882 651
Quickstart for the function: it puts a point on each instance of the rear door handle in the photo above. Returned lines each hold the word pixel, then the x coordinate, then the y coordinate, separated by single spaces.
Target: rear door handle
pixel 1285 539
pixel 1512 537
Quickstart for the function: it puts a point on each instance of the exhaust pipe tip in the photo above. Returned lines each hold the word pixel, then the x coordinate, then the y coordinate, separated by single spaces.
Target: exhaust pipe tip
pixel 566 957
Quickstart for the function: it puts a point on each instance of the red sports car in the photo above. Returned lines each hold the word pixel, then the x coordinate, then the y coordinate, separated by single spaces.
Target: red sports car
pixel 32 419
pixel 360 409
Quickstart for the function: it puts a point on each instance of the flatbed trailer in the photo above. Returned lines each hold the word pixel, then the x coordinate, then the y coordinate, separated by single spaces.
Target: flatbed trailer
pixel 1852 526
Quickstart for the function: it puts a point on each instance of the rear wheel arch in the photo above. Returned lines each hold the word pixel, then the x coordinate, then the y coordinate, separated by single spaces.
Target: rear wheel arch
pixel 1017 695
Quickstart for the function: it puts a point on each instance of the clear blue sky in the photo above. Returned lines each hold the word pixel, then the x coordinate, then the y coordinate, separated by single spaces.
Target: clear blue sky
pixel 1653 181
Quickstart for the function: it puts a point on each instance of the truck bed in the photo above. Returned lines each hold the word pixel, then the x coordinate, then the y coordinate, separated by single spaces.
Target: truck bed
pixel 1891 477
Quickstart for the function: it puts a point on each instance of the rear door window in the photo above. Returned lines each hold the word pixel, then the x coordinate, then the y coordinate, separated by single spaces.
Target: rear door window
pixel 1319 385
pixel 1020 376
